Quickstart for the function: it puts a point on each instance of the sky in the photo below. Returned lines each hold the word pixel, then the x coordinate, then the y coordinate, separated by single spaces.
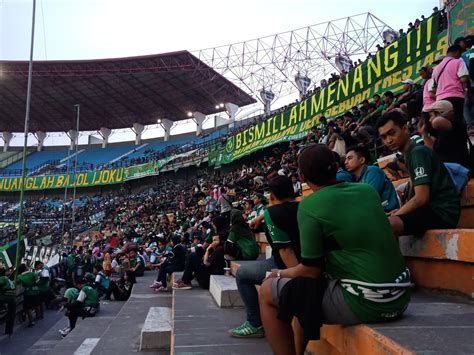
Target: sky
pixel 91 29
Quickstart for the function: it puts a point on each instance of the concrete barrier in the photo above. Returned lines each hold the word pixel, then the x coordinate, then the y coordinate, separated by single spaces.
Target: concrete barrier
pixel 156 332
pixel 224 291
pixel 441 259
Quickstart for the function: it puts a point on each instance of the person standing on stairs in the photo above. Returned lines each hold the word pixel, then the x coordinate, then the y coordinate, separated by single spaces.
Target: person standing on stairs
pixel 283 236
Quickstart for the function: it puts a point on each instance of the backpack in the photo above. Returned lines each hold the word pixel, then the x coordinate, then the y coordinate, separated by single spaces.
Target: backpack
pixel 459 174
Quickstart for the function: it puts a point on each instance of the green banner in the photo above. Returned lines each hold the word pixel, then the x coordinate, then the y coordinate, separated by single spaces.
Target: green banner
pixel 382 72
pixel 461 19
pixel 85 179
pixel 142 170
pixel 6 224
pixel 5 261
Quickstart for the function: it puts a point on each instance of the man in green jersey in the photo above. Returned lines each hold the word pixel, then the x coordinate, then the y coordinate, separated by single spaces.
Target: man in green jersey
pixel 435 203
pixel 6 288
pixel 44 278
pixel 365 278
pixel 86 305
pixel 31 300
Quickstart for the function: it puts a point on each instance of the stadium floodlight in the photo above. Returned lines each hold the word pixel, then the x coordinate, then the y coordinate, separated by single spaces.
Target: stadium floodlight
pixel 389 35
pixel 190 114
pixel 159 121
pixel 217 107
pixel 221 105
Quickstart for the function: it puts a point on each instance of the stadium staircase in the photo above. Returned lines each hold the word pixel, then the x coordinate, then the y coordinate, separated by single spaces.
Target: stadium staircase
pixel 116 329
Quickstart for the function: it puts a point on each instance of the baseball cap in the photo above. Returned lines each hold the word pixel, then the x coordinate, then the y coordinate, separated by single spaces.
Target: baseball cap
pixel 261 196
pixel 440 106
pixel 408 81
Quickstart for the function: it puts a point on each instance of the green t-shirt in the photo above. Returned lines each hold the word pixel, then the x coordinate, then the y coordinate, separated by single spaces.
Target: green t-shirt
pixel 141 265
pixel 424 168
pixel 29 281
pixel 92 298
pixel 208 236
pixel 466 57
pixel 70 262
pixel 344 227
pixel 248 246
pixel 43 282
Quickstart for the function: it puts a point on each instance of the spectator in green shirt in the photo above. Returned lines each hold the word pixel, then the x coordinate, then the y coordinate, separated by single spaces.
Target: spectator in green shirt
pixel 31 300
pixel 46 294
pixel 241 243
pixel 85 305
pixel 390 102
pixel 343 231
pixel 6 285
pixel 435 203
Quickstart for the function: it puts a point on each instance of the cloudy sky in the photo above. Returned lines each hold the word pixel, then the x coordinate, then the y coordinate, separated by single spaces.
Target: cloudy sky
pixel 88 29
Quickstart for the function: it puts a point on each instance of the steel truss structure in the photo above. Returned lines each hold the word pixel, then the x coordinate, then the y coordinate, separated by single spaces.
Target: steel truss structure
pixel 272 62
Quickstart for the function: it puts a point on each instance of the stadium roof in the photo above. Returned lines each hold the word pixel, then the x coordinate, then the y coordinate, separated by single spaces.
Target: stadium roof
pixel 113 93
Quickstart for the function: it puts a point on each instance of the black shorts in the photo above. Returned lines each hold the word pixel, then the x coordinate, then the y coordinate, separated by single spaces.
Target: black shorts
pixel 420 220
pixel 313 302
pixel 31 301
pixel 47 296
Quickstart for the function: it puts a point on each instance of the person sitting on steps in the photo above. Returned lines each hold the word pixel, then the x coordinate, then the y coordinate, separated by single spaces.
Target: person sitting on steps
pixel 435 203
pixel 284 239
pixel 355 247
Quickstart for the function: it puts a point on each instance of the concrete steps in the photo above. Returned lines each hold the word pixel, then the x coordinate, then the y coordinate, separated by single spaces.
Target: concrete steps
pixel 88 328
pixel 442 259
pixel 123 335
pixel 431 325
pixel 200 327
pixel 116 329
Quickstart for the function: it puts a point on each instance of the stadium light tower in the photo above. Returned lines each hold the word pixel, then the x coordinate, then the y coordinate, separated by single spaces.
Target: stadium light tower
pixel 267 97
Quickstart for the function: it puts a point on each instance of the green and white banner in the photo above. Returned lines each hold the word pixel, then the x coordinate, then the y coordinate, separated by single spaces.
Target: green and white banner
pixel 90 178
pixel 142 170
pixel 85 179
pixel 382 72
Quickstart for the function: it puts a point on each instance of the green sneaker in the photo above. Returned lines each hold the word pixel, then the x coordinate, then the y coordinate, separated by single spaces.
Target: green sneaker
pixel 247 330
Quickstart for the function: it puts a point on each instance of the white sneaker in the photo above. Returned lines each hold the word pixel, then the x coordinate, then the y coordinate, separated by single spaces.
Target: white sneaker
pixel 65 331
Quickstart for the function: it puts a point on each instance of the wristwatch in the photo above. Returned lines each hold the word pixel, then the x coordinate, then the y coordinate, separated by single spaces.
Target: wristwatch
pixel 279 274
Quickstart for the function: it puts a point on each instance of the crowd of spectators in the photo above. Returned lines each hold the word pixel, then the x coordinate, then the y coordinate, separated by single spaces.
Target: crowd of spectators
pixel 199 225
